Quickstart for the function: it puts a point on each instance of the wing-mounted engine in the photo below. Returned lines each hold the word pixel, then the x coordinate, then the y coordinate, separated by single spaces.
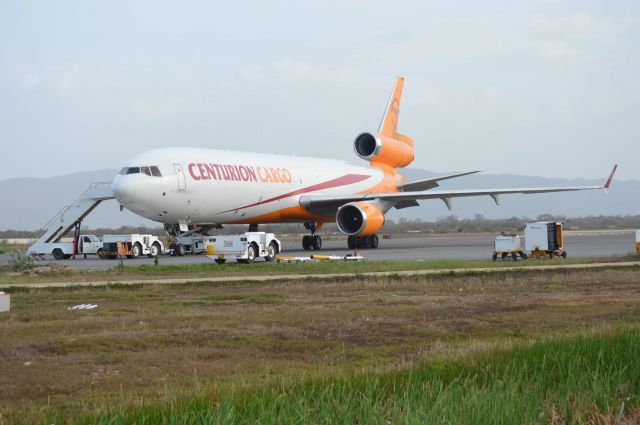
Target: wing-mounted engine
pixel 388 147
pixel 359 219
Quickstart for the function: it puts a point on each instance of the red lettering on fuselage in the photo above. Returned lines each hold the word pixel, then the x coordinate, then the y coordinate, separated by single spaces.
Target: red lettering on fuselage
pixel 245 173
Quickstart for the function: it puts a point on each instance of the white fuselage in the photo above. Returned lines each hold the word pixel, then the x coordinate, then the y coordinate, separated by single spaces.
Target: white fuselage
pixel 206 186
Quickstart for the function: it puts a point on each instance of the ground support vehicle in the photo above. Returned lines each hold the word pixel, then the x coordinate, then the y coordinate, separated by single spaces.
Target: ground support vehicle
pixel 508 247
pixel 187 243
pixel 245 247
pixel 87 244
pixel 544 239
pixel 638 241
pixel 48 240
pixel 131 246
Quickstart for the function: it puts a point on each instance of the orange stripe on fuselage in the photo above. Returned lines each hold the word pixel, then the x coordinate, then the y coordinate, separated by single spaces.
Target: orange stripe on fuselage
pixel 295 213
pixel 389 184
pixel 390 180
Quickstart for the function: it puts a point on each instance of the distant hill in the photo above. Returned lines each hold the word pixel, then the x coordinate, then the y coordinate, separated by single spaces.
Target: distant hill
pixel 623 198
pixel 28 203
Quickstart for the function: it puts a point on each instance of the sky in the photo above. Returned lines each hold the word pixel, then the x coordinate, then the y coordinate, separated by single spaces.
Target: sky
pixel 542 87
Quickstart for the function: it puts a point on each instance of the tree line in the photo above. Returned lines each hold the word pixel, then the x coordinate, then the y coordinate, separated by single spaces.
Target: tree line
pixel 449 224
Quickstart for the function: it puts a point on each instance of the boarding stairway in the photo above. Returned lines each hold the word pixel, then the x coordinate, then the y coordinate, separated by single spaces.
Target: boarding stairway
pixel 71 215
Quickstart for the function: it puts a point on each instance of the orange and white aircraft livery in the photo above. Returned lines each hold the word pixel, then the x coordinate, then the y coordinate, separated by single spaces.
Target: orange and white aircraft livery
pixel 195 190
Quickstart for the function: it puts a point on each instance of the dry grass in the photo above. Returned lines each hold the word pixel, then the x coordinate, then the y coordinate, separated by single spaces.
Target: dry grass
pixel 157 342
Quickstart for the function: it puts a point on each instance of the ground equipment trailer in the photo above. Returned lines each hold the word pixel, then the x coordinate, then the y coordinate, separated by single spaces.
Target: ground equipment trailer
pixel 508 246
pixel 544 239
pixel 245 247
pixel 131 246
pixel 87 244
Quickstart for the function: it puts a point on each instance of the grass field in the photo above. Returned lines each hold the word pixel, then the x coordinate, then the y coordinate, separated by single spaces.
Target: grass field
pixel 403 349
pixel 209 269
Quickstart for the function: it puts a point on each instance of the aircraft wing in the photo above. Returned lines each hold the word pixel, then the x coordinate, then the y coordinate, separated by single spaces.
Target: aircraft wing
pixel 430 183
pixel 327 201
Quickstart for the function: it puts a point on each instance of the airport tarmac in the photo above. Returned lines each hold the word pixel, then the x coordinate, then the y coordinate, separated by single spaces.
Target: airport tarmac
pixel 463 247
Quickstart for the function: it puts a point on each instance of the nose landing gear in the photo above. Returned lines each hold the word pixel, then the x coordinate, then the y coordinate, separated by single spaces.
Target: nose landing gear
pixel 312 241
pixel 363 242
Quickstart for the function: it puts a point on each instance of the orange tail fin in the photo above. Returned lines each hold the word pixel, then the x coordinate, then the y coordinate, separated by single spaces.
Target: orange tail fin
pixel 389 123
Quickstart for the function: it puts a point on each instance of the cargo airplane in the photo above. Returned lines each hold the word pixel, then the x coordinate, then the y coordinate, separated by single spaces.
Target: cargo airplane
pixel 196 190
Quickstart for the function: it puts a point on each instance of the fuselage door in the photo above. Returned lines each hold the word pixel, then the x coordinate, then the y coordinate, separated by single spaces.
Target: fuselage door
pixel 182 182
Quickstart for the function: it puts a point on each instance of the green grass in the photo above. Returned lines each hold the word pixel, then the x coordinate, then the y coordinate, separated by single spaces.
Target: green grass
pixel 210 269
pixel 581 379
pixel 350 267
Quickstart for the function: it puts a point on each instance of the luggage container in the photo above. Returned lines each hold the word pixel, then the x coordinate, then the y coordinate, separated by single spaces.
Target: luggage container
pixel 544 239
pixel 508 246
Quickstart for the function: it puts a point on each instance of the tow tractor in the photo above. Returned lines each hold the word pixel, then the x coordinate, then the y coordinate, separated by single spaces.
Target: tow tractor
pixel 131 246
pixel 244 247
pixel 187 243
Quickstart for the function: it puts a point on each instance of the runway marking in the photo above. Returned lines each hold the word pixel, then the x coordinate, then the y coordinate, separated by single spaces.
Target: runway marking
pixel 287 277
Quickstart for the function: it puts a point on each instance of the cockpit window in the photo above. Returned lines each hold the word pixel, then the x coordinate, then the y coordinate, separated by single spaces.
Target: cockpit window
pixel 152 170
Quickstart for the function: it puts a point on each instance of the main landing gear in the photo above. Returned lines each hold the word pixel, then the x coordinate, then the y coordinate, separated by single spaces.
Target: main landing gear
pixel 312 241
pixel 362 242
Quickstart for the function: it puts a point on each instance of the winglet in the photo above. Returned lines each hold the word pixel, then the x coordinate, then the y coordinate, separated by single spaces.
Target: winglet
pixel 608 182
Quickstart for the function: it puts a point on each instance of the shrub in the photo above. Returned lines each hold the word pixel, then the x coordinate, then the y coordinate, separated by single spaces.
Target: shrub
pixel 21 262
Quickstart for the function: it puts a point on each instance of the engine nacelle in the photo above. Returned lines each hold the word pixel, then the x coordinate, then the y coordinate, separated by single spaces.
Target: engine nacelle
pixel 359 219
pixel 385 150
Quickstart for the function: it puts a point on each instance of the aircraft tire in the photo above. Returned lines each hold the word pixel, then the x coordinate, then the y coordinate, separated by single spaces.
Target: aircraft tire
pixel 316 242
pixel 373 241
pixel 180 250
pixel 306 242
pixel 351 242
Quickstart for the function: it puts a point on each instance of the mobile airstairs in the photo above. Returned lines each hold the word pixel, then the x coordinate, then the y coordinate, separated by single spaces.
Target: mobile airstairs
pixel 69 217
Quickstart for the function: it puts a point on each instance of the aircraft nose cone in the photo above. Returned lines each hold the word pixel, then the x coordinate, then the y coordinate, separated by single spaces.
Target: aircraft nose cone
pixel 122 190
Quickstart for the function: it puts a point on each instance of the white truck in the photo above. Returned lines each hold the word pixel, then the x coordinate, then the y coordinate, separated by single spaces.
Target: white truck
pixel 245 247
pixel 87 244
pixel 508 246
pixel 131 246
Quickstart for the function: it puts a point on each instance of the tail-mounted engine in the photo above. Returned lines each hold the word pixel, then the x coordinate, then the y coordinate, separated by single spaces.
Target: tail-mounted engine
pixel 390 151
pixel 389 147
pixel 359 219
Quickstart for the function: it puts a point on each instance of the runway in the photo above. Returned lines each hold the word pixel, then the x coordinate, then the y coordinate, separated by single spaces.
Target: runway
pixel 463 247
